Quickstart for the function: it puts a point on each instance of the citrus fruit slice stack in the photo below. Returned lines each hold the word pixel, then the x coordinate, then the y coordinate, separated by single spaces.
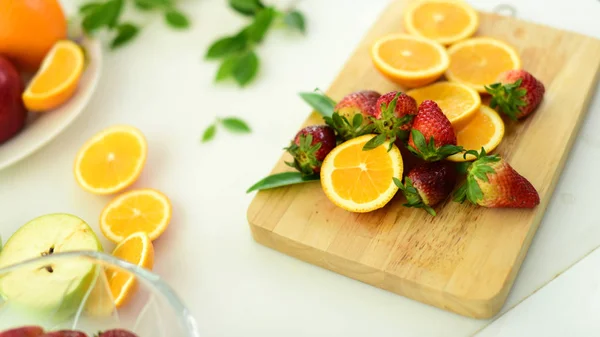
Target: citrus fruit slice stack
pixel 444 21
pixel 57 79
pixel 360 180
pixel 408 60
pixel 141 210
pixel 458 101
pixel 136 249
pixel 478 62
pixel 111 160
pixel 486 129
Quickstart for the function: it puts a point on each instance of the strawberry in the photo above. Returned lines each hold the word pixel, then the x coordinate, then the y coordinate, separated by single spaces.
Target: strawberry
pixel 516 94
pixel 492 182
pixel 427 185
pixel 393 118
pixel 431 124
pixel 117 333
pixel 351 117
pixel 310 147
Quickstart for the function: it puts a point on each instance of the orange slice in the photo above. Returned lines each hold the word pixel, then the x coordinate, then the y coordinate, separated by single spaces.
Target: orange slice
pixel 486 129
pixel 361 181
pixel 136 249
pixel 57 79
pixel 479 61
pixel 408 60
pixel 445 21
pixel 458 101
pixel 111 160
pixel 142 210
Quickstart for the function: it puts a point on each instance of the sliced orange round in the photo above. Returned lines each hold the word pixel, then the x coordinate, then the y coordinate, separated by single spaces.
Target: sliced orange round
pixel 478 62
pixel 445 21
pixel 142 210
pixel 57 78
pixel 138 250
pixel 459 102
pixel 360 180
pixel 486 129
pixel 111 160
pixel 409 60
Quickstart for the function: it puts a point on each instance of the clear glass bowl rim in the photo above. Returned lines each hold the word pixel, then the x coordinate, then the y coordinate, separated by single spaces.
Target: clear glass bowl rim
pixel 187 322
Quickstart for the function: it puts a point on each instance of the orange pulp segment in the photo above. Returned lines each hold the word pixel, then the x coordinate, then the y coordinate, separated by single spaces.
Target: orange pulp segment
pixel 485 129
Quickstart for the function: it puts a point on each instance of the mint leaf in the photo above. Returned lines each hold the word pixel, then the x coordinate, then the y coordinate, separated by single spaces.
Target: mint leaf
pixel 90 7
pixel 227 46
pixel 226 68
pixel 176 19
pixel 236 125
pixel 246 7
pixel 262 21
pixel 209 133
pixel 282 179
pixel 153 4
pixel 125 33
pixel 295 20
pixel 105 15
pixel 246 68
pixel 320 102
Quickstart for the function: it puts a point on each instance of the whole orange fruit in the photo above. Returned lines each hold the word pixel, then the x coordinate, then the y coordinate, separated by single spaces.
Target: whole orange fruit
pixel 29 29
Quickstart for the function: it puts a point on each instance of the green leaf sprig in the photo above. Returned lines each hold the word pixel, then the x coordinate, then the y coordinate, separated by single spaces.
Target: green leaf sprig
pixel 107 14
pixel 231 124
pixel 237 53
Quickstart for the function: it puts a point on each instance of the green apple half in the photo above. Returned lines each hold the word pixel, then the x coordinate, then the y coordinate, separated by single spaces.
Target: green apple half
pixel 54 290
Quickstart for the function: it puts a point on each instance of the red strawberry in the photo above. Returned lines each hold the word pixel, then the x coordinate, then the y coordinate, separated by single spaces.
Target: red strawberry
pixel 432 137
pixel 393 118
pixel 427 185
pixel 65 333
pixel 310 147
pixel 405 105
pixel 492 182
pixel 351 117
pixel 117 333
pixel 26 331
pixel 517 93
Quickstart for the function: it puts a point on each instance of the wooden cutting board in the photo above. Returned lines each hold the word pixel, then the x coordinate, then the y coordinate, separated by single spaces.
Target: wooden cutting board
pixel 466 259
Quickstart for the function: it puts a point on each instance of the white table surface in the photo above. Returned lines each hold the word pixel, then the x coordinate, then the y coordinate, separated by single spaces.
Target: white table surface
pixel 236 287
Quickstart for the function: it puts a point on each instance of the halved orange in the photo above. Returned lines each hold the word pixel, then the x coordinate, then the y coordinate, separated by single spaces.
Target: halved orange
pixel 408 60
pixel 361 181
pixel 445 21
pixel 111 160
pixel 486 129
pixel 136 249
pixel 57 79
pixel 478 62
pixel 458 101
pixel 142 210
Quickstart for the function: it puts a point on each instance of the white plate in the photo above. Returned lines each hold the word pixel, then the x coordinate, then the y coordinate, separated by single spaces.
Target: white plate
pixel 42 128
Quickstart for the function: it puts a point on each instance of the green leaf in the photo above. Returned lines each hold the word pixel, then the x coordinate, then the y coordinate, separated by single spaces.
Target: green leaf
pixel 357 121
pixel 259 27
pixel 226 68
pixel 209 133
pixel 176 19
pixel 398 182
pixel 375 142
pixel 246 7
pixel 295 20
pixel 236 125
pixel 320 102
pixel 474 192
pixel 246 68
pixel 227 46
pixel 461 194
pixel 125 33
pixel 282 179
pixel 419 140
pixel 90 7
pixel 105 15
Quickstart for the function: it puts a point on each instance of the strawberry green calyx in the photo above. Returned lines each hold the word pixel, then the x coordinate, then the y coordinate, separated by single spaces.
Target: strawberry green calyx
pixel 388 126
pixel 304 154
pixel 428 151
pixel 346 129
pixel 478 170
pixel 507 98
pixel 413 197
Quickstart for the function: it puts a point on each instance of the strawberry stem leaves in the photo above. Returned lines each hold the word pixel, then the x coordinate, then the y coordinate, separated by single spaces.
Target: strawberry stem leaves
pixel 282 179
pixel 305 159
pixel 428 151
pixel 375 142
pixel 507 98
pixel 478 170
pixel 413 198
pixel 345 130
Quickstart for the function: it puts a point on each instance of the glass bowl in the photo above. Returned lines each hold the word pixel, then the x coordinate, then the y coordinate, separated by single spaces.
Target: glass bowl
pixel 33 293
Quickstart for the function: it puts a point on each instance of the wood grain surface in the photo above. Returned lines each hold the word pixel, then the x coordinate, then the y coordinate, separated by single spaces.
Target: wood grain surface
pixel 466 259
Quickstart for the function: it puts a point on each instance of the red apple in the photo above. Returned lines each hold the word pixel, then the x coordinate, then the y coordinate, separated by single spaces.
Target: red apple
pixel 26 331
pixel 12 110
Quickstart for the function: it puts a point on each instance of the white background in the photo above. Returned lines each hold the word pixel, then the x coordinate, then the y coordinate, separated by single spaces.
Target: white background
pixel 235 287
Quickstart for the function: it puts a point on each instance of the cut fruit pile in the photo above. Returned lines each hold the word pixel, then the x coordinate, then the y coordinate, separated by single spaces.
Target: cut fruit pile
pixel 356 153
